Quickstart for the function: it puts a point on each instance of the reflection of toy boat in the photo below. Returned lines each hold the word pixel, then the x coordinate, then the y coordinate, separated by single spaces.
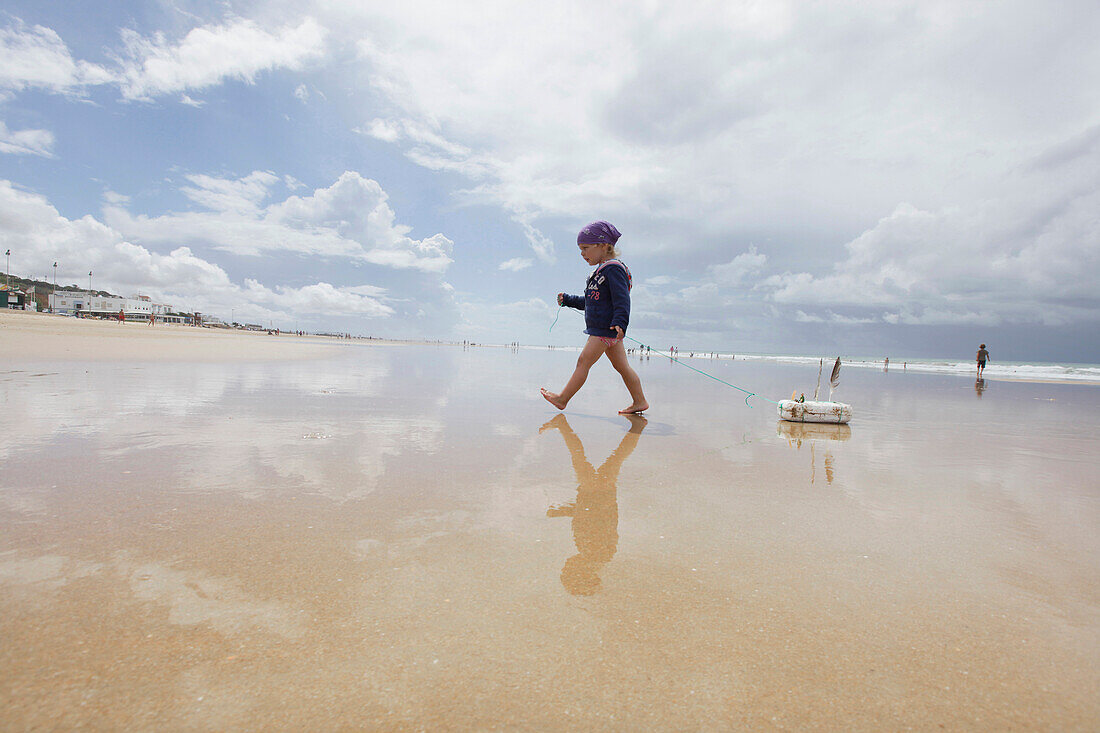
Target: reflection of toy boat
pixel 812 431
pixel 817 412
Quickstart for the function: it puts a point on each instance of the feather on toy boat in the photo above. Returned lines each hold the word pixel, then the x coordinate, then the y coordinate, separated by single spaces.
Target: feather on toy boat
pixel 803 410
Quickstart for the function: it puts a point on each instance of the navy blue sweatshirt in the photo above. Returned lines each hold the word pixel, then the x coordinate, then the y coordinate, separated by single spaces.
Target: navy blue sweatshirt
pixel 606 300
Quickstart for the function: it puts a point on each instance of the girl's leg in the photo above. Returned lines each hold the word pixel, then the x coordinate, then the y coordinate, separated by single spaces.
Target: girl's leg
pixel 617 355
pixel 590 354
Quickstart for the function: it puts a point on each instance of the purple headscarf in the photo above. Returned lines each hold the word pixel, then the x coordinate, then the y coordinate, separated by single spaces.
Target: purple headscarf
pixel 599 232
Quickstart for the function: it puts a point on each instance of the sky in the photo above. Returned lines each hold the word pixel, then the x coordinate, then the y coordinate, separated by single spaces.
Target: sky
pixel 902 179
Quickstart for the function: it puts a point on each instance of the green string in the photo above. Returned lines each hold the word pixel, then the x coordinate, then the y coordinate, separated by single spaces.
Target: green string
pixel 748 394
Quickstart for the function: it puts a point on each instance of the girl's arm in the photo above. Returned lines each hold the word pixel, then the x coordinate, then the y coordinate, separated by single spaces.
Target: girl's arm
pixel 571 301
pixel 619 286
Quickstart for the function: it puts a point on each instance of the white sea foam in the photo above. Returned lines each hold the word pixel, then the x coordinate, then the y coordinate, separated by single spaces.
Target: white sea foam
pixel 1083 373
pixel 1031 372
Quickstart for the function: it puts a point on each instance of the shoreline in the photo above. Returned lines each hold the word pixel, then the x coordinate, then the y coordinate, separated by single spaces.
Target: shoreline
pixel 861 364
pixel 29 336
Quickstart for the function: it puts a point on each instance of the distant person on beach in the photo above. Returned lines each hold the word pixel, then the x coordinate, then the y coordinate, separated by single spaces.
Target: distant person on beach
pixel 606 306
pixel 982 358
pixel 121 316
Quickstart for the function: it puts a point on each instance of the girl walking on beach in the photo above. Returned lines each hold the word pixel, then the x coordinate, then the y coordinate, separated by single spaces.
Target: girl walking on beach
pixel 606 306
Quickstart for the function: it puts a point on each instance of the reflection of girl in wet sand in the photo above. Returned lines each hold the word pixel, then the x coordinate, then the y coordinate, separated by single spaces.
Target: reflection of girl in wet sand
pixel 595 511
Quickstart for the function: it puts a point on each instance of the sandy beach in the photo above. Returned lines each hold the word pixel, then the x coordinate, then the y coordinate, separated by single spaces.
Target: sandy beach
pixel 33 336
pixel 212 531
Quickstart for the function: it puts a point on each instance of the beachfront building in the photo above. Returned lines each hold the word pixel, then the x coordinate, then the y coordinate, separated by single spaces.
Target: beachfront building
pixel 76 302
pixel 34 298
pixel 38 297
pixel 11 298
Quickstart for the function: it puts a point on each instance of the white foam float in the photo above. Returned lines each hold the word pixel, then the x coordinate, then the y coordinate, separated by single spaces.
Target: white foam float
pixel 837 413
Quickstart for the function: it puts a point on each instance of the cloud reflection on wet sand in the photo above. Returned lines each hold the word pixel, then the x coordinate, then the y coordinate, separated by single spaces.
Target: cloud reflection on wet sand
pixel 365 542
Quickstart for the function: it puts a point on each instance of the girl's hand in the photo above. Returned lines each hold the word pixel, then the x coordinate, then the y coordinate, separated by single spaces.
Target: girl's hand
pixel 619 330
pixel 561 298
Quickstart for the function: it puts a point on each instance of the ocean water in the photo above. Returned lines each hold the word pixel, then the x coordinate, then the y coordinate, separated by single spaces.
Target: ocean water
pixel 1029 371
pixel 998 370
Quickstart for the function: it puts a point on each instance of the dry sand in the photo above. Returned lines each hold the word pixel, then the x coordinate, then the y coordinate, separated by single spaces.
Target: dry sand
pixel 410 538
pixel 45 336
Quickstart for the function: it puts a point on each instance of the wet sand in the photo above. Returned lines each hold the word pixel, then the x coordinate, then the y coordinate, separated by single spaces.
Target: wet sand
pixel 410 538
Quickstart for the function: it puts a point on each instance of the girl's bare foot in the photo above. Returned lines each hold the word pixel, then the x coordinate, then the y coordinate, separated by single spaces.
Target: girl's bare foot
pixel 635 409
pixel 553 399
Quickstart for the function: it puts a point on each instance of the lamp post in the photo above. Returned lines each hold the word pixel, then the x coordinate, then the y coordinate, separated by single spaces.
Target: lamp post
pixel 89 291
pixel 7 270
pixel 54 287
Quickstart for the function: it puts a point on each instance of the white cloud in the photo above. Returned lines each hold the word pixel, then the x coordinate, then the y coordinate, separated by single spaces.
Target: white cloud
pixel 383 130
pixel 710 123
pixel 36 57
pixel 301 93
pixel 358 211
pixel 536 129
pixel 1028 255
pixel 830 317
pixel 243 195
pixel 371 291
pixel 148 67
pixel 318 298
pixel 516 264
pixel 740 267
pixel 208 55
pixel 698 128
pixel 351 218
pixel 26 142
pixel 542 246
pixel 34 229
pixel 506 322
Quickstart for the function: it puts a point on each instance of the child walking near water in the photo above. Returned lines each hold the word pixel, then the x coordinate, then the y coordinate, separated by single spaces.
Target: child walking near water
pixel 606 306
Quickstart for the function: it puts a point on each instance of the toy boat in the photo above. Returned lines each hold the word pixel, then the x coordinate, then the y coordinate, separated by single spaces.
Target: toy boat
pixel 837 413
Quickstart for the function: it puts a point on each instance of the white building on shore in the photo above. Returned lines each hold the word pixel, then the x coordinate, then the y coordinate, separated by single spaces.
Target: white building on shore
pixel 139 307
